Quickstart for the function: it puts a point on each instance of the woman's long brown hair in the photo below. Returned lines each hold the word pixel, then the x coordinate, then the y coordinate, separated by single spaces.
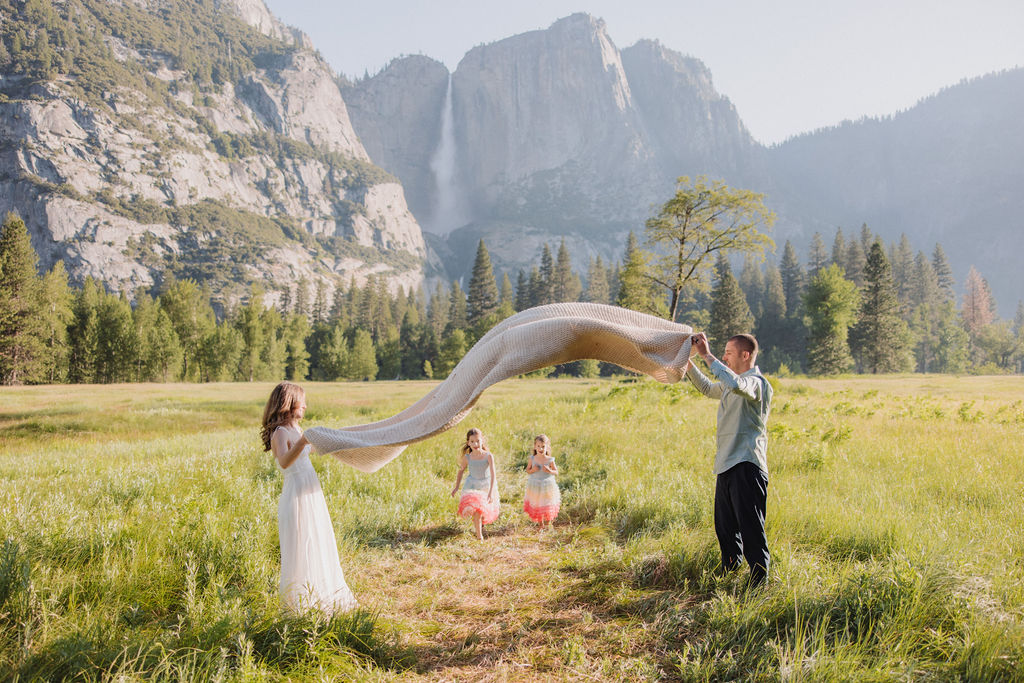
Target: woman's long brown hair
pixel 281 406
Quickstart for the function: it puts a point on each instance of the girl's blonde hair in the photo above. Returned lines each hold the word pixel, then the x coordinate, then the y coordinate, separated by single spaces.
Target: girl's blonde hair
pixel 466 449
pixel 547 444
pixel 282 405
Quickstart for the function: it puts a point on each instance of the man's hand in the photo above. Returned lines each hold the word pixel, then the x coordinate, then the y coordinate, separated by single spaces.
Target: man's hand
pixel 699 342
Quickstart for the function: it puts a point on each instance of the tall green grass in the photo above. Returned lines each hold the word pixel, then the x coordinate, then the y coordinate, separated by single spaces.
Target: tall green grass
pixel 138 533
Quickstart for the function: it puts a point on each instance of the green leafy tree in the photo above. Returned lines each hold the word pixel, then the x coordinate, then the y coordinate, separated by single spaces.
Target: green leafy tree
pixel 879 340
pixel 483 289
pixel 704 218
pixel 830 303
pixel 730 313
pixel 22 323
pixel 952 352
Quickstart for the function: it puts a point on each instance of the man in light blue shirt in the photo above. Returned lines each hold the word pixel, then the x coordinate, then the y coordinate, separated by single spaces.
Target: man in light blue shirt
pixel 741 458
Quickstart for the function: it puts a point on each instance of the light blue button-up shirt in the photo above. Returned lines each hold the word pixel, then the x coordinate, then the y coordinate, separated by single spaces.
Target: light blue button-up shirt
pixel 744 403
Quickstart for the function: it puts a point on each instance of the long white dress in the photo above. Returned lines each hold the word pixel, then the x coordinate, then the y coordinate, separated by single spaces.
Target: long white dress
pixel 311 575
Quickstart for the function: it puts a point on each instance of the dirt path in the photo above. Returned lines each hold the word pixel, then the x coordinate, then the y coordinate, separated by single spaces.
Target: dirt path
pixel 513 607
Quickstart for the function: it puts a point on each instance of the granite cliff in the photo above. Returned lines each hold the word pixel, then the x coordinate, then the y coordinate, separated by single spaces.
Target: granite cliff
pixel 135 159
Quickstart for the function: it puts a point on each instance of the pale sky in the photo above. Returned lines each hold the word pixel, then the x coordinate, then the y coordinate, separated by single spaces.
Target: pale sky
pixel 789 66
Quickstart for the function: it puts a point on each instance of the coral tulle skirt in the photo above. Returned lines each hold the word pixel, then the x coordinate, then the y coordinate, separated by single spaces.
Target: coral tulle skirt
pixel 474 501
pixel 542 499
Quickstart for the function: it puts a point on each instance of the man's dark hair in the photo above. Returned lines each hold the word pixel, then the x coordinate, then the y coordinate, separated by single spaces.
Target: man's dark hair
pixel 745 342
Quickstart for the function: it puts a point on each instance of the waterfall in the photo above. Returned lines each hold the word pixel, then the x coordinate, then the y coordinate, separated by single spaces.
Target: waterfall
pixel 448 212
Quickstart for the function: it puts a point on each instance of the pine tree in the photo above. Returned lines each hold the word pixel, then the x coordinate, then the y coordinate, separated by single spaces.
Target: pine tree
pixel 730 313
pixel 83 333
pixel 839 250
pixel 362 360
pixel 792 278
pixel 188 307
pixel 117 343
pixel 22 328
pixel 296 329
pixel 523 295
pixel 597 283
pixel 879 339
pixel 817 257
pixel 453 348
pixel 536 288
pixel 752 284
pixel 221 349
pixel 438 308
pixel 977 305
pixel 903 273
pixel 457 313
pixel 943 272
pixel 57 314
pixel 855 260
pixel 546 290
pixel 636 291
pixel 320 302
pixel 507 296
pixel 831 305
pixel 483 290
pixel 565 284
pixel 772 325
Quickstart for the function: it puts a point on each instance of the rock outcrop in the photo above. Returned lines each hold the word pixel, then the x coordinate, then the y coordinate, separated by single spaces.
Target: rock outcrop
pixel 259 179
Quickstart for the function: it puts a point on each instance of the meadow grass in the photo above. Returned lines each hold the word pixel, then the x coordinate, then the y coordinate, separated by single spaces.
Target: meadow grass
pixel 138 538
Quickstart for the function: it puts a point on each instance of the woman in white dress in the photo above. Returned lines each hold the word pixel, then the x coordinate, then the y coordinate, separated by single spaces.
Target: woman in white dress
pixel 311 575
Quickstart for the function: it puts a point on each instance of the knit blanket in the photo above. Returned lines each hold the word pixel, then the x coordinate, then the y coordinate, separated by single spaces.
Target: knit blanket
pixel 530 340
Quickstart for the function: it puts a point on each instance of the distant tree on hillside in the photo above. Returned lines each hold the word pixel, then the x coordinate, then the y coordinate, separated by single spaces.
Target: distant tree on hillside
pixel 730 313
pixel 830 302
pixel 879 339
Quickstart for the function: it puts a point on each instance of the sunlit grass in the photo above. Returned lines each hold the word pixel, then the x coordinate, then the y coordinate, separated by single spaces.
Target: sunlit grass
pixel 138 537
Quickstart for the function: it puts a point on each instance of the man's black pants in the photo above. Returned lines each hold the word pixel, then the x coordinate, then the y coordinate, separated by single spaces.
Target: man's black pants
pixel 741 495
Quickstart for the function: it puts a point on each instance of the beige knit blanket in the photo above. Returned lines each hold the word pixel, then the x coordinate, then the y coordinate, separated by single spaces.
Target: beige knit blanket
pixel 530 340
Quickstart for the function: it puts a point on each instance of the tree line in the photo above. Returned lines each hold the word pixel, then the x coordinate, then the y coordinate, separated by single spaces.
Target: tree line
pixel 860 306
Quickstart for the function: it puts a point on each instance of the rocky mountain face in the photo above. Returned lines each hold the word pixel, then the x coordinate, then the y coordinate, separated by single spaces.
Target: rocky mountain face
pixel 555 134
pixel 255 175
pixel 947 170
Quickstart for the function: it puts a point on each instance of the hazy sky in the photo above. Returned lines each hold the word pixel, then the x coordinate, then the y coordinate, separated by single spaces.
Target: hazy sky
pixel 789 66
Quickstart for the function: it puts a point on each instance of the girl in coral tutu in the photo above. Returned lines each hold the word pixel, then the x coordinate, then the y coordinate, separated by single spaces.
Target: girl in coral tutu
pixel 480 490
pixel 542 498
